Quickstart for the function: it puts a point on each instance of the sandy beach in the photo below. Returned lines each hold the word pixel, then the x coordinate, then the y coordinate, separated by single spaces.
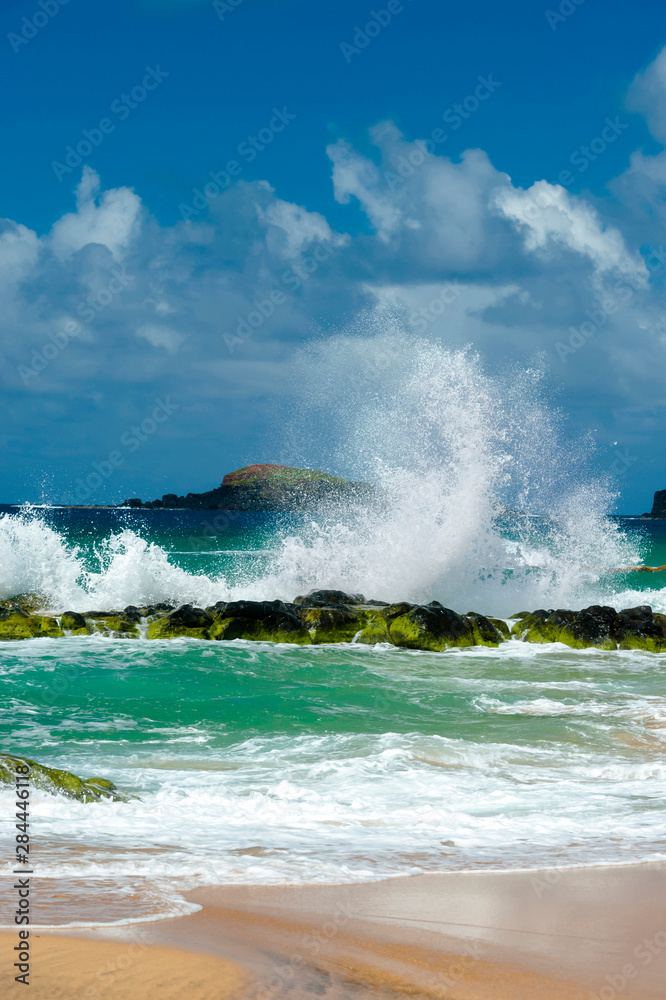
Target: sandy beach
pixel 554 935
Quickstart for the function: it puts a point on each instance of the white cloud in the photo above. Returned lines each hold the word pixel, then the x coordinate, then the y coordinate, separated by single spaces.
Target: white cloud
pixel 161 336
pixel 19 250
pixel 647 95
pixel 113 222
pixel 291 229
pixel 551 219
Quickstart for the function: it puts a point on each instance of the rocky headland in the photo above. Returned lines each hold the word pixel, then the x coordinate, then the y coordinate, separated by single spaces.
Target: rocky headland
pixel 279 488
pixel 331 616
pixel 658 506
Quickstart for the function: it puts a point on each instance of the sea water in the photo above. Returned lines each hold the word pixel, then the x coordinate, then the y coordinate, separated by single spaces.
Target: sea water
pixel 261 763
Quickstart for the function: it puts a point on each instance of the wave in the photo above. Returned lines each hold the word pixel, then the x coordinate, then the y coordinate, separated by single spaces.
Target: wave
pixel 480 502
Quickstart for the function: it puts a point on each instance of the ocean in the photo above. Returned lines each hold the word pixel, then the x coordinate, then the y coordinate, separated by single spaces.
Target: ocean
pixel 261 763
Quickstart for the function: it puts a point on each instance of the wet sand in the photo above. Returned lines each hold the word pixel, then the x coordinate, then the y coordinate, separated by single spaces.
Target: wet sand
pixel 557 935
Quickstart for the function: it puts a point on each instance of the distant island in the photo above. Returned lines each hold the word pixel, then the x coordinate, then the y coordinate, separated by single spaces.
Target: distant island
pixel 658 506
pixel 263 488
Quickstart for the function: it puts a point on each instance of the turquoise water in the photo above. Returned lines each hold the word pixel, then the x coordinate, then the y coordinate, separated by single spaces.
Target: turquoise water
pixel 261 763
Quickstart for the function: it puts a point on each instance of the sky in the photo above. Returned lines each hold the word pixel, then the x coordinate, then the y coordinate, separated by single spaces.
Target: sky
pixel 191 190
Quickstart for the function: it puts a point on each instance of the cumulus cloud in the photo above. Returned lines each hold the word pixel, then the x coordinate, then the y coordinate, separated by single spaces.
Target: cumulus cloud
pixel 552 220
pixel 424 206
pixel 647 96
pixel 210 310
pixel 111 219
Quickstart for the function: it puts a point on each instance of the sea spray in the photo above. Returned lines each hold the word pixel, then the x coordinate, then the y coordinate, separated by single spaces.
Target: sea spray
pixel 479 503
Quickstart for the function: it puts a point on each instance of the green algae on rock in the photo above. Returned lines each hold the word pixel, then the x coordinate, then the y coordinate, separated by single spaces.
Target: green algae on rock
pixel 59 782
pixel 331 616
pixel 598 626
pixel 18 624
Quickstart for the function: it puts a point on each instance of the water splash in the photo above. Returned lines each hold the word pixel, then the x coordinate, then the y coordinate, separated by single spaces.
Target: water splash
pixel 480 503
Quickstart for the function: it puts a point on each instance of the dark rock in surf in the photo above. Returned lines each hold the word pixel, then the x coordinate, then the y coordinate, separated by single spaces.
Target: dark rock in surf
pixel 597 626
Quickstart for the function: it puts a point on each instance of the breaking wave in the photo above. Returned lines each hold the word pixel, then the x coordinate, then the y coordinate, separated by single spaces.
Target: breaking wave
pixel 479 503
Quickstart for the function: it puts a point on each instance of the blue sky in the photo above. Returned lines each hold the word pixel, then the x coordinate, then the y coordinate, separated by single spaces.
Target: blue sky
pixel 512 202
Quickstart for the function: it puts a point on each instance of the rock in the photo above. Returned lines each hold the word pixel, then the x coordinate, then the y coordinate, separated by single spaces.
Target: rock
pixel 659 504
pixel 597 626
pixel 112 624
pixel 18 624
pixel 26 602
pixel 186 621
pixel 487 631
pixel 328 598
pixel 639 628
pixel 266 487
pixel 57 782
pixel 333 624
pixel 74 623
pixel 261 621
pixel 433 627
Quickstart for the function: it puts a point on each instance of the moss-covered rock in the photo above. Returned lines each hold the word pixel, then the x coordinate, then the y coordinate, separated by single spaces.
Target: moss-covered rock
pixel 260 621
pixel 487 631
pixel 58 782
pixel 376 629
pixel 186 622
pixel 73 623
pixel 113 624
pixel 433 627
pixel 598 626
pixel 336 624
pixel 640 628
pixel 18 624
pixel 27 602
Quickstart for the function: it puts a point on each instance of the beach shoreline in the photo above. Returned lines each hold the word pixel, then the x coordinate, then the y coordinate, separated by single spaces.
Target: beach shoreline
pixel 573 933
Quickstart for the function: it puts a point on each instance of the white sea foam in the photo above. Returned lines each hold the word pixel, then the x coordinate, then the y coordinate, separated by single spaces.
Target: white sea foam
pixel 353 807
